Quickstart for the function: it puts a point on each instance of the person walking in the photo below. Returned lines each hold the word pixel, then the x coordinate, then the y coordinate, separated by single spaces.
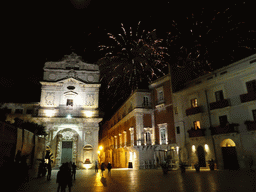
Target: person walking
pixel 49 167
pixel 64 178
pixel 74 170
pixel 96 167
pixel 109 166
pixel 102 168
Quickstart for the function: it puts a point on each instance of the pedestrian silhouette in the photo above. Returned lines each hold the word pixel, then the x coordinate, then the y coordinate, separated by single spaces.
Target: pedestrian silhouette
pixel 102 168
pixel 49 167
pixel 109 166
pixel 64 178
pixel 96 167
pixel 74 170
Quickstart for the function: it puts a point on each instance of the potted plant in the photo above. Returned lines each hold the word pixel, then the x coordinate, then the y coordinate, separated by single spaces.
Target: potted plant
pixel 183 167
pixel 211 164
pixel 197 167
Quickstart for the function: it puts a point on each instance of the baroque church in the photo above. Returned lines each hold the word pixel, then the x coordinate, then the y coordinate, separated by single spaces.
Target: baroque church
pixel 68 109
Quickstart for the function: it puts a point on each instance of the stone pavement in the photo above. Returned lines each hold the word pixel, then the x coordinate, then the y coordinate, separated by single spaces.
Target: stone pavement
pixel 129 180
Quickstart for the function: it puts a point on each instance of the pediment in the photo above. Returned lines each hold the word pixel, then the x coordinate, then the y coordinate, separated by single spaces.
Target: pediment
pixel 70 81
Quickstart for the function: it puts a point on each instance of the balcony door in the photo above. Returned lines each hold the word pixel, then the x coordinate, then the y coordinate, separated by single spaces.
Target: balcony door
pixel 201 156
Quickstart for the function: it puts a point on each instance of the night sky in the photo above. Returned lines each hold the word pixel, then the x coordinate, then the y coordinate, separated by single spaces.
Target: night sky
pixel 34 32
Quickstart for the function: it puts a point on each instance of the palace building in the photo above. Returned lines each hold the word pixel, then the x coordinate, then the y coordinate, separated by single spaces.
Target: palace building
pixel 68 109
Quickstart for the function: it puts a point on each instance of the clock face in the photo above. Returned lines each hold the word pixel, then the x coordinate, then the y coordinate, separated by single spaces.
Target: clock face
pixel 90 78
pixel 52 76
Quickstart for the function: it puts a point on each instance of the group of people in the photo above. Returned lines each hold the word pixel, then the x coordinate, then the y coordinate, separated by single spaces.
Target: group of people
pixel 102 167
pixel 64 176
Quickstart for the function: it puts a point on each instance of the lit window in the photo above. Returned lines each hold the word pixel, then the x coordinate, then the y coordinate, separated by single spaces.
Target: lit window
pixel 148 138
pixel 160 95
pixel 193 102
pixel 197 125
pixel 163 136
pixel 69 102
pixel 125 139
pixel 120 140
pixel 115 142
pixel 132 136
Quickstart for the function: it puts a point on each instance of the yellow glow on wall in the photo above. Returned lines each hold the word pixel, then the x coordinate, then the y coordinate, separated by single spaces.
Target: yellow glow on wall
pixel 87 166
pixel 227 143
pixel 100 147
pixel 193 148
pixel 88 113
pixel 130 156
pixel 206 147
pixel 49 113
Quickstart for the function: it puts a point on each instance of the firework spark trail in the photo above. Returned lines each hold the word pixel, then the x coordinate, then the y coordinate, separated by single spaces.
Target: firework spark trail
pixel 139 59
pixel 201 36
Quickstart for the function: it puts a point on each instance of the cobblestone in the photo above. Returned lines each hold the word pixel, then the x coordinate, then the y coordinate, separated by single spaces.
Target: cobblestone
pixel 128 180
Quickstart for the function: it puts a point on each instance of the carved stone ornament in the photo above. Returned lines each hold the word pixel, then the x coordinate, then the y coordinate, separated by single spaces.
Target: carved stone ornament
pixel 67 135
pixel 90 99
pixel 72 73
pixel 52 76
pixel 90 78
pixel 49 98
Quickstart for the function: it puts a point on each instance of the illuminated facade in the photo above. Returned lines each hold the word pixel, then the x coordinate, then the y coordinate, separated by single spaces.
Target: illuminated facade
pixel 69 110
pixel 215 117
pixel 141 133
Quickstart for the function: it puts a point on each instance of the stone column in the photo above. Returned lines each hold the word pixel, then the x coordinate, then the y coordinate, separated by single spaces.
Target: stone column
pixel 139 128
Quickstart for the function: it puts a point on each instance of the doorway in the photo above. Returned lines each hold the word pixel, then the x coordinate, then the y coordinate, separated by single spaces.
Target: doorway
pixel 201 156
pixel 229 154
pixel 66 155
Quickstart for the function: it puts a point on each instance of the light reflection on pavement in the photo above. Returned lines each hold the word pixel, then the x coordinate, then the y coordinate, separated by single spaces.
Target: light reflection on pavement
pixel 128 180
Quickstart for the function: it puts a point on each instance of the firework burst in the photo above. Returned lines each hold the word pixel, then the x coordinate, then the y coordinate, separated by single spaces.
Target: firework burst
pixel 209 39
pixel 132 60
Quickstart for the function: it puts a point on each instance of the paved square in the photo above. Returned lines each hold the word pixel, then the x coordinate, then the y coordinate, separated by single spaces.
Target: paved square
pixel 150 180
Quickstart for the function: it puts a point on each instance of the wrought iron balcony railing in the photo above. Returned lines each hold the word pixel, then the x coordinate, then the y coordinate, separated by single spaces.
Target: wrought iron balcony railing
pixel 229 128
pixel 251 96
pixel 251 125
pixel 193 110
pixel 196 132
pixel 219 104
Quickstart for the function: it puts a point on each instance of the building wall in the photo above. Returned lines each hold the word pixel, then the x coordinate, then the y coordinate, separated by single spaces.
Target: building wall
pixel 141 114
pixel 232 81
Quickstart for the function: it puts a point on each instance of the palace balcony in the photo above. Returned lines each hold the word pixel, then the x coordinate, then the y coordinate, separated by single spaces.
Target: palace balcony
pixel 251 125
pixel 196 132
pixel 229 128
pixel 193 110
pixel 220 104
pixel 251 96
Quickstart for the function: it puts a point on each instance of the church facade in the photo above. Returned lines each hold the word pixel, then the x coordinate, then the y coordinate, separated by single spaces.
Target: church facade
pixel 68 109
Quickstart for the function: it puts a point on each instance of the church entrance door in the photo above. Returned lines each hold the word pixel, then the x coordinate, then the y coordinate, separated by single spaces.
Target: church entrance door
pixel 66 155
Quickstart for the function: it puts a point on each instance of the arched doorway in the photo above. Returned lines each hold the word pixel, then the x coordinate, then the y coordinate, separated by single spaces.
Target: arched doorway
pixel 201 156
pixel 66 146
pixel 229 154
